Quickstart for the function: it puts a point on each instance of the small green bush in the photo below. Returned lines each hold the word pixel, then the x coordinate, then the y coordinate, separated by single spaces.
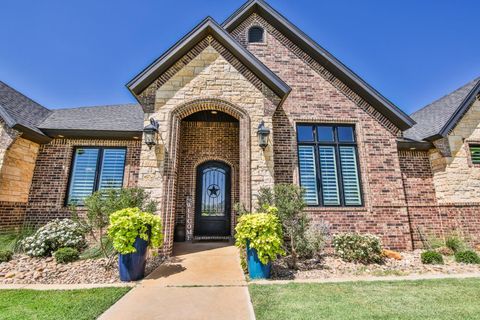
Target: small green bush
pixel 467 256
pixel 66 255
pixel 354 247
pixel 455 243
pixel 431 257
pixel 6 255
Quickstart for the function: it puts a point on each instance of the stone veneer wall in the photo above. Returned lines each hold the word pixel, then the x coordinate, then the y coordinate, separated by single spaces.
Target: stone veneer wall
pixel 208 77
pixel 456 179
pixel 50 178
pixel 17 160
pixel 200 142
pixel 427 216
pixel 318 97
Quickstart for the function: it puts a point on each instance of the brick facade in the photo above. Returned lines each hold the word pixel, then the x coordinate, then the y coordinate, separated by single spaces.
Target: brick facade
pixel 318 97
pixel 50 177
pixel 428 217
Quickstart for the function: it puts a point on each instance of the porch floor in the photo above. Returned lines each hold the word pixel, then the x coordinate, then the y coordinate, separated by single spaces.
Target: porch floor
pixel 200 281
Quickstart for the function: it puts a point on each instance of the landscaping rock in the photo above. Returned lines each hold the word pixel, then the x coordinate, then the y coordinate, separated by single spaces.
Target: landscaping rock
pixel 392 254
pixel 328 266
pixel 26 270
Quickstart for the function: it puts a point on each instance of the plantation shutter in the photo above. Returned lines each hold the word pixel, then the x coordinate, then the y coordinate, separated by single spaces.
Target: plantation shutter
pixel 113 164
pixel 84 170
pixel 351 185
pixel 328 173
pixel 308 174
pixel 475 152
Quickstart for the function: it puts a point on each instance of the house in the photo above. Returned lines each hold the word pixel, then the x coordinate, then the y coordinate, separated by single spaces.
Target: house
pixel 241 105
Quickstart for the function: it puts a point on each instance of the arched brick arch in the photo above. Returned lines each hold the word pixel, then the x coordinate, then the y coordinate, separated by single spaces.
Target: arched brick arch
pixel 171 165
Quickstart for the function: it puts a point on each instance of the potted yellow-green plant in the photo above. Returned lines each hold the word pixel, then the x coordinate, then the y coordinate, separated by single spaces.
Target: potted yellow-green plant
pixel 261 235
pixel 132 232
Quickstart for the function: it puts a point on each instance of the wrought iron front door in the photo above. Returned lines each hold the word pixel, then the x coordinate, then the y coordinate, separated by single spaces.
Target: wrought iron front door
pixel 212 204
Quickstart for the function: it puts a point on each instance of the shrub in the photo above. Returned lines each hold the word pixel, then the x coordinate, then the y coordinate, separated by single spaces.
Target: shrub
pixel 128 224
pixel 354 247
pixel 6 255
pixel 313 240
pixel 66 255
pixel 101 204
pixel 264 233
pixel 431 257
pixel 455 243
pixel 288 198
pixel 54 235
pixel 467 256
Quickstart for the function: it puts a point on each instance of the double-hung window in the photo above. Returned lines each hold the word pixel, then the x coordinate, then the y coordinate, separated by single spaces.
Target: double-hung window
pixel 328 163
pixel 95 169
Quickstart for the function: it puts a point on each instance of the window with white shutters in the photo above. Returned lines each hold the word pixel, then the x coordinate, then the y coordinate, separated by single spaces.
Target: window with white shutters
pixel 328 165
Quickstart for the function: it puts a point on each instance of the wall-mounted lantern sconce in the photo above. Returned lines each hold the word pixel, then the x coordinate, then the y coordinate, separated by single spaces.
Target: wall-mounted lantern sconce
pixel 263 133
pixel 150 132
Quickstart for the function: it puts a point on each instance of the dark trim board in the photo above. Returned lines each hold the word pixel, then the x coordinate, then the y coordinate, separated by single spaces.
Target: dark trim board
pixel 322 56
pixel 96 134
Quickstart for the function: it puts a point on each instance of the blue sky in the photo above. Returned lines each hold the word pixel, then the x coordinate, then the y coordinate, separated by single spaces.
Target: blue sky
pixel 75 53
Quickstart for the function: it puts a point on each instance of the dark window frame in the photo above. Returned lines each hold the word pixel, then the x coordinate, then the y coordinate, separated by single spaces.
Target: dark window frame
pixel 316 143
pixel 256 28
pixel 97 169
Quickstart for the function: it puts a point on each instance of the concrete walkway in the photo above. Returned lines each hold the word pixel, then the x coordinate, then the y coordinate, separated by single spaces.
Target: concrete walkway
pixel 201 281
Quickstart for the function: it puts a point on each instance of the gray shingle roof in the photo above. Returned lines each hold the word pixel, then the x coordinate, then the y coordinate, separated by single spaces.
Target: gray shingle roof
pixel 122 117
pixel 19 109
pixel 440 115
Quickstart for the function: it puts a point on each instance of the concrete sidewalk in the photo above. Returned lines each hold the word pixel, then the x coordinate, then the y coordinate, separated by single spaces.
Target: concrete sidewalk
pixel 201 281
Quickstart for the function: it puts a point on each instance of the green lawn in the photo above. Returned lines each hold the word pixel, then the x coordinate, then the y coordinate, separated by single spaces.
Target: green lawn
pixel 61 304
pixel 427 299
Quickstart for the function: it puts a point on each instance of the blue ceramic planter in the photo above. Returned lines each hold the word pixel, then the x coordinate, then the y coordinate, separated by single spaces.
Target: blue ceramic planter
pixel 132 265
pixel 257 269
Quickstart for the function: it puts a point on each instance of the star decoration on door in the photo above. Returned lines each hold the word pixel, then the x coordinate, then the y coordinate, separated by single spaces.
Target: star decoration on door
pixel 213 191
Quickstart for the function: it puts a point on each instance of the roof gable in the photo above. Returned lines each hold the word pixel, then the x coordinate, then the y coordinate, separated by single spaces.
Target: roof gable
pixel 182 47
pixel 322 56
pixel 438 118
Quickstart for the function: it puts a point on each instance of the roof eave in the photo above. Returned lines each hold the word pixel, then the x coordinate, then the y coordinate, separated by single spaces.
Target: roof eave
pixel 31 135
pixel 466 103
pixel 414 145
pixel 182 47
pixel 97 134
pixel 347 76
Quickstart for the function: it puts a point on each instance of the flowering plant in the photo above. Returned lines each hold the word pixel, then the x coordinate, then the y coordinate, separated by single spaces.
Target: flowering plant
pixel 354 247
pixel 52 236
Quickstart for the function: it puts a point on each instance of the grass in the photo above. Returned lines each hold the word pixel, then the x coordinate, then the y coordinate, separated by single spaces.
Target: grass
pixel 425 299
pixel 9 240
pixel 60 304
